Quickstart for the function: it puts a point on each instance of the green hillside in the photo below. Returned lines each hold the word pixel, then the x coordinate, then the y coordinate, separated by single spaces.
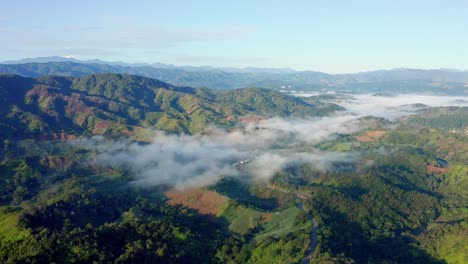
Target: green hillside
pixel 113 104
pixel 446 118
pixel 394 204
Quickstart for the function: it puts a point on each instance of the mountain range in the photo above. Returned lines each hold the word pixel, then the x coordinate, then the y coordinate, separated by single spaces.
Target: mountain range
pixel 155 64
pixel 86 178
pixel 111 104
pixel 402 80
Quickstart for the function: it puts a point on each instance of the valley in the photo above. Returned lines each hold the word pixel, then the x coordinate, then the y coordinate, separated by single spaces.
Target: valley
pixel 233 132
pixel 121 168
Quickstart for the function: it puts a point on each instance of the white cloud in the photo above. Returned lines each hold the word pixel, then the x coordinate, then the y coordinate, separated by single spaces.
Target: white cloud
pixel 393 107
pixel 111 37
pixel 264 147
pixel 199 160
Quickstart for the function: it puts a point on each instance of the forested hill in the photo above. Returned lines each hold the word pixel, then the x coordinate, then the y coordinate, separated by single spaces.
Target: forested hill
pixel 116 104
pixel 445 118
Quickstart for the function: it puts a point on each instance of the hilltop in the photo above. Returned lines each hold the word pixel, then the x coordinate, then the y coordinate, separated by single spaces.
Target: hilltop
pixel 112 104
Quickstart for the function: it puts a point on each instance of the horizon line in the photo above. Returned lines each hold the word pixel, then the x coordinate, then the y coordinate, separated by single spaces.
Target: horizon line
pixel 152 64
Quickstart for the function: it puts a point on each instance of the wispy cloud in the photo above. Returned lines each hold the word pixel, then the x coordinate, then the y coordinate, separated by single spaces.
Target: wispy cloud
pixel 258 150
pixel 395 106
pixel 111 37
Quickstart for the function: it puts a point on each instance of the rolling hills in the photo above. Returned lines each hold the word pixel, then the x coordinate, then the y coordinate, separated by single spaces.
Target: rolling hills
pixel 60 201
pixel 111 104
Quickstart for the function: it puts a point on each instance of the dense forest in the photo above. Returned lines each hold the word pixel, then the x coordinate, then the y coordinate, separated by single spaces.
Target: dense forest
pixel 403 200
pixel 109 104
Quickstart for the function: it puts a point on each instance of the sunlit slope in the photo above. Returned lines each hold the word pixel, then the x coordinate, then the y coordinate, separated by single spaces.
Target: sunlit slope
pixel 114 104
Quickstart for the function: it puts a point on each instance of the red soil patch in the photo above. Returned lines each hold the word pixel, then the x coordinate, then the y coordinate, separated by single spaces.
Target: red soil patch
pixel 55 136
pixel 75 104
pixel 98 167
pixel 364 138
pixel 265 218
pixel 251 119
pixel 58 163
pixel 370 136
pixel 434 169
pixel 204 201
pixel 102 124
pixel 130 131
pixel 376 134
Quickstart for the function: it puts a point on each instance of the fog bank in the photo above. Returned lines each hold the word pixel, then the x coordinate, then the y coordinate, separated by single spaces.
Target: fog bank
pixel 257 150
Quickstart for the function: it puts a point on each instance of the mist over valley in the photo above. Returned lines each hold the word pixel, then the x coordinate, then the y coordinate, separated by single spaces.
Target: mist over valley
pixel 251 132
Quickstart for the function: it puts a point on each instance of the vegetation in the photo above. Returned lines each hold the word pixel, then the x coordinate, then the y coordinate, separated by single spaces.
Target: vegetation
pixel 390 206
pixel 394 211
pixel 113 104
pixel 446 118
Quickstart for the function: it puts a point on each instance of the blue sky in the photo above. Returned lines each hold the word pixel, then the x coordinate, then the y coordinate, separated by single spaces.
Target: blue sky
pixel 331 36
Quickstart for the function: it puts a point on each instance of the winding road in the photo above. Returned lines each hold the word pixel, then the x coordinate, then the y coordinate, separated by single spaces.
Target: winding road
pixel 313 241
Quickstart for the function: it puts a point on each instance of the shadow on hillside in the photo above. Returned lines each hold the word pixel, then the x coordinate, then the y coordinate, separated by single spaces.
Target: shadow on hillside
pixel 351 192
pixel 393 177
pixel 239 191
pixel 348 239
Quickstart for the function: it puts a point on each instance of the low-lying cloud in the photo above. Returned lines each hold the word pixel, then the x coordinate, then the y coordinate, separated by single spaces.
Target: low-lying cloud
pixel 256 150
pixel 392 107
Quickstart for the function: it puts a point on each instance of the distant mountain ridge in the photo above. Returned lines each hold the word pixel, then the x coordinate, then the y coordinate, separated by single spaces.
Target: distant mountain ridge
pixel 400 80
pixel 211 79
pixel 227 69
pixel 155 64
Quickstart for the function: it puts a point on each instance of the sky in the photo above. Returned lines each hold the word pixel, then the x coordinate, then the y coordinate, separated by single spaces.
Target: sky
pixel 330 36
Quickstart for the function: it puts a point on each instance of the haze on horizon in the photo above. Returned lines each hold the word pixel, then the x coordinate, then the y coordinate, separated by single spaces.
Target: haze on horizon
pixel 328 36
